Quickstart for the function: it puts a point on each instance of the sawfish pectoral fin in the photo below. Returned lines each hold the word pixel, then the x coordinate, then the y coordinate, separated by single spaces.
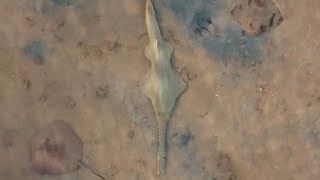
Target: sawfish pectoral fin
pixel 178 83
pixel 146 86
pixel 172 89
pixel 148 52
pixel 181 85
pixel 166 47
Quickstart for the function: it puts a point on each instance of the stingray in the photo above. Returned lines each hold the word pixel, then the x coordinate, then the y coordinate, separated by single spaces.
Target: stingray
pixel 257 17
pixel 162 85
pixel 57 149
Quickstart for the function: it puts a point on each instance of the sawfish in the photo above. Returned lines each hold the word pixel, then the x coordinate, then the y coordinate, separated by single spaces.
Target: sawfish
pixel 162 85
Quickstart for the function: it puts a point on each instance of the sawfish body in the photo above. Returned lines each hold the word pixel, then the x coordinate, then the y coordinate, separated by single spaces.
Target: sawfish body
pixel 162 85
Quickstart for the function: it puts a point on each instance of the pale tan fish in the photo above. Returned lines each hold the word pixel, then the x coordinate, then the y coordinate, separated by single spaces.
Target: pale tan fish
pixel 163 85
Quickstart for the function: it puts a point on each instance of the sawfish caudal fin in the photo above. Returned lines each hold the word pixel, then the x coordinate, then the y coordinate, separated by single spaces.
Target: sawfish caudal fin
pixel 157 45
pixel 161 157
pixel 151 22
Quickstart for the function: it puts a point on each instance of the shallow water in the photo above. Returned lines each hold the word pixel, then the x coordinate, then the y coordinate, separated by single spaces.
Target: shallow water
pixel 251 109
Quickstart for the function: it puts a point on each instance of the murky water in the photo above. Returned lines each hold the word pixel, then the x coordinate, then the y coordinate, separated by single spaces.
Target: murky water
pixel 251 109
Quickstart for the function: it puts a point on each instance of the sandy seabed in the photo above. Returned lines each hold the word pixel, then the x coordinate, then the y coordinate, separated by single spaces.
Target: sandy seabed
pixel 251 109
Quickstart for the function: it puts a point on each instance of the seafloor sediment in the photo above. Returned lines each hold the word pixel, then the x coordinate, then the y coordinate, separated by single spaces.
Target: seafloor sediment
pixel 251 109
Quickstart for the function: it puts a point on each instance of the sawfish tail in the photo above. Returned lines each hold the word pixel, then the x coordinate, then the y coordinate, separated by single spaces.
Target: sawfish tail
pixel 161 157
pixel 152 23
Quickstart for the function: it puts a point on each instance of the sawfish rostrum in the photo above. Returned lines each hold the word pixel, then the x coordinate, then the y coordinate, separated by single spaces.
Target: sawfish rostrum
pixel 162 85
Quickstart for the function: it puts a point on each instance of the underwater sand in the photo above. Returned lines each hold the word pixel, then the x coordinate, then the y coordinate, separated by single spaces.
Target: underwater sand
pixel 251 110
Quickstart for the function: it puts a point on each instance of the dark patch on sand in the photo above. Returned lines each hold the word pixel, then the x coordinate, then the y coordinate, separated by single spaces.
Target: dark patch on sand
pixel 36 50
pixel 211 25
pixel 185 138
pixel 63 3
pixel 232 45
pixel 8 137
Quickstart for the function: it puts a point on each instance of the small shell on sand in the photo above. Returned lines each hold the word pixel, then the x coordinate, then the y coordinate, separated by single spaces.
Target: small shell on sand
pixel 56 149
